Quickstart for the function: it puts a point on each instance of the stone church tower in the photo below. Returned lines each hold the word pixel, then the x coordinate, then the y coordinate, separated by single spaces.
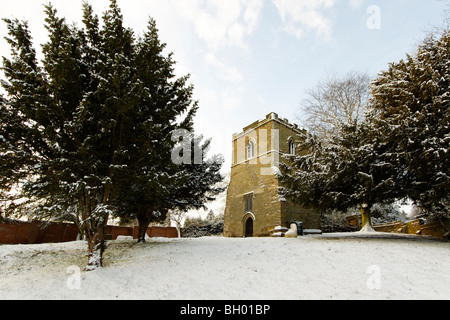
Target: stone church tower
pixel 254 207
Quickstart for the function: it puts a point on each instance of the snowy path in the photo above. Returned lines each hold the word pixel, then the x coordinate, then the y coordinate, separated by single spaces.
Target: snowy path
pixel 221 268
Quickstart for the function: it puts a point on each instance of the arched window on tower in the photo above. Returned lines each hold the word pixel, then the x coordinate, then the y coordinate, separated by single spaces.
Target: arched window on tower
pixel 250 150
pixel 291 147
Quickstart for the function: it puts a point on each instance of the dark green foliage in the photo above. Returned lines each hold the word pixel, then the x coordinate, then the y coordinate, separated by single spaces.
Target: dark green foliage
pixel 87 135
pixel 346 172
pixel 197 227
pixel 401 150
pixel 411 104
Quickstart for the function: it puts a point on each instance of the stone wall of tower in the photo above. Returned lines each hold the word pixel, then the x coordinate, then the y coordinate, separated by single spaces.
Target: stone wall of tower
pixel 266 211
pixel 253 176
pixel 258 176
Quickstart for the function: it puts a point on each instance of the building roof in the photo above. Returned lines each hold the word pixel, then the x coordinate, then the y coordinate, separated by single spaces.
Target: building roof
pixel 270 117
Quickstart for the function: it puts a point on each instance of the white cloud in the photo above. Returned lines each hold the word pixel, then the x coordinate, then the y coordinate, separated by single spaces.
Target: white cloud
pixel 355 4
pixel 221 23
pixel 301 16
pixel 231 74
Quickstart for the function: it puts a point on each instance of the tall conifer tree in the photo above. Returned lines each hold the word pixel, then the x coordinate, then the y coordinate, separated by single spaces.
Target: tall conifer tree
pixel 95 117
pixel 411 103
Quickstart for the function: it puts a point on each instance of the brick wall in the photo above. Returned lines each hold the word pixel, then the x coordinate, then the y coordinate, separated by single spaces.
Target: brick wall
pixel 162 232
pixel 19 232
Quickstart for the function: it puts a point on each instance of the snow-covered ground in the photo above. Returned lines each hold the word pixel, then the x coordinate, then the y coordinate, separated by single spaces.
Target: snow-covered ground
pixel 313 267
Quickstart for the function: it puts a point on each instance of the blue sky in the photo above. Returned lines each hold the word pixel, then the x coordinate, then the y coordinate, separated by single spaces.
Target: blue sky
pixel 248 58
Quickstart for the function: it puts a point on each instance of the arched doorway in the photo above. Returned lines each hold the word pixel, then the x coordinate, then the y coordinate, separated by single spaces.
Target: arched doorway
pixel 249 228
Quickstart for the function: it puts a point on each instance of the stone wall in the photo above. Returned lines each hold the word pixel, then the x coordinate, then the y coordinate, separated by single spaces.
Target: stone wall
pixel 257 177
pixel 19 232
pixel 36 232
pixel 414 227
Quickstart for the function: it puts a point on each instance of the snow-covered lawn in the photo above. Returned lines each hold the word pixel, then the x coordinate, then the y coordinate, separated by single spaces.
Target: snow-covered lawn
pixel 313 267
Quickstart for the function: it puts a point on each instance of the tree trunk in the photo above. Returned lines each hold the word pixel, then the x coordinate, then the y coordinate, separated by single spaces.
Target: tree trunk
pixel 144 218
pixel 96 244
pixel 366 217
pixel 95 223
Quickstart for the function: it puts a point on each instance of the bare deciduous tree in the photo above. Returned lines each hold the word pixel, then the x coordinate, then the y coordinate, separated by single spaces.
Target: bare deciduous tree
pixel 177 216
pixel 334 103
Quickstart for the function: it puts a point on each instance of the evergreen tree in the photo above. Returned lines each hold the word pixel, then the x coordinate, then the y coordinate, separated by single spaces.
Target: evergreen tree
pixel 22 142
pixel 150 183
pixel 60 129
pixel 346 172
pixel 97 116
pixel 199 180
pixel 411 104
pixel 149 193
pixel 400 150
